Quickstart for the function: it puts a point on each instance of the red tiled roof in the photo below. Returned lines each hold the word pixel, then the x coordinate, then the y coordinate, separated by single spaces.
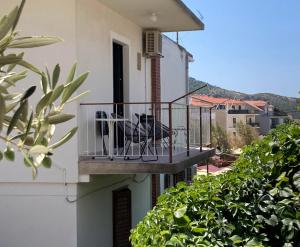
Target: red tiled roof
pixel 257 103
pixel 204 99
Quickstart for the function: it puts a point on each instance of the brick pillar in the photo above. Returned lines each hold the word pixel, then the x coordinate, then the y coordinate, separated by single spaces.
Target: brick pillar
pixel 155 85
pixel 155 97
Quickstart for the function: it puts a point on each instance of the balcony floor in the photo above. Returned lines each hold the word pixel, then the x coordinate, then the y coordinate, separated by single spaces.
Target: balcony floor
pixel 103 165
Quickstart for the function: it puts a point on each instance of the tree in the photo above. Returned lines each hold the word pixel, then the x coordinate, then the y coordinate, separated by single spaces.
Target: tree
pixel 246 133
pixel 22 128
pixel 220 138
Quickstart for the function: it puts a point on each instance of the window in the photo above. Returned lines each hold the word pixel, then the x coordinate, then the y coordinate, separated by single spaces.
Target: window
pixel 240 107
pixel 234 122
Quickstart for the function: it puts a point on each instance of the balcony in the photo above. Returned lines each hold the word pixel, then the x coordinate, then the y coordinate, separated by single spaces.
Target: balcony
pixel 238 112
pixel 142 137
pixel 255 125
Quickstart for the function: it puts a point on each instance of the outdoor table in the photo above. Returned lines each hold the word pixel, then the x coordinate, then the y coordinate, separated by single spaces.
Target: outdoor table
pixel 111 133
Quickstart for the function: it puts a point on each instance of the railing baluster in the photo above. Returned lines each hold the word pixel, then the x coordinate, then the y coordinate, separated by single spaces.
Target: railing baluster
pixel 201 144
pixel 170 134
pixel 188 130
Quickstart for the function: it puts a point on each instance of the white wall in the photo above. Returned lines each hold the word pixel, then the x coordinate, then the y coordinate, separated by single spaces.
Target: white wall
pixel 52 18
pixel 96 28
pixel 32 215
pixel 173 71
pixel 94 209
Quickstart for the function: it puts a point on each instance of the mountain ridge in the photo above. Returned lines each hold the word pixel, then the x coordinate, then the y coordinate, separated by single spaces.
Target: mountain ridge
pixel 283 103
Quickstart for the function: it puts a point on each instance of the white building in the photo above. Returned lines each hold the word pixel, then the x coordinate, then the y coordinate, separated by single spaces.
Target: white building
pixel 79 201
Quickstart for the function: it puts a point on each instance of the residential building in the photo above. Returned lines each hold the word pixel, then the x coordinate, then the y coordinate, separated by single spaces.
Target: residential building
pixel 86 199
pixel 227 113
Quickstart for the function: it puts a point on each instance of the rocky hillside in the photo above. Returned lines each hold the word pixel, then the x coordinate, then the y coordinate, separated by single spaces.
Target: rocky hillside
pixel 287 104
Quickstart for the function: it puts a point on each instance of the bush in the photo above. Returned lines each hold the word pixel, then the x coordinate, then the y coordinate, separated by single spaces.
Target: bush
pixel 255 204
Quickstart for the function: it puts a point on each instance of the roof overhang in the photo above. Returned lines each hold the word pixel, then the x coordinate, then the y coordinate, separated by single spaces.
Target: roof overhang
pixel 171 15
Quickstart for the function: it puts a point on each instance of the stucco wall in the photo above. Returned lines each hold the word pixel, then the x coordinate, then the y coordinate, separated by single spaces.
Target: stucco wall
pixel 52 18
pixel 34 215
pixel 96 28
pixel 173 71
pixel 94 209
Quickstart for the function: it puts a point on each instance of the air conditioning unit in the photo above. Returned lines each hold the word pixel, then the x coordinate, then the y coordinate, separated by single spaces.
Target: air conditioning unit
pixel 152 43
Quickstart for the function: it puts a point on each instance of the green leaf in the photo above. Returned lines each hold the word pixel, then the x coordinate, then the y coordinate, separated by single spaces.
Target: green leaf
pixel 44 83
pixel 253 243
pixel 179 213
pixel 9 59
pixel 78 96
pixel 55 76
pixel 29 66
pixel 11 80
pixel 28 161
pixel 28 93
pixel 3 90
pixel 1 156
pixel 71 73
pixel 9 154
pixel 47 162
pixel 35 41
pixel 43 103
pixel 20 9
pixel 38 149
pixel 60 118
pixel 56 93
pixel 65 138
pixel 7 22
pixel 236 239
pixel 24 112
pixel 15 118
pixel 2 111
pixel 73 86
pixel 29 124
pixel 11 106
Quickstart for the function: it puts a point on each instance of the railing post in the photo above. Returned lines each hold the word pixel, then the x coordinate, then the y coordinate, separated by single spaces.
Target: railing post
pixel 170 134
pixel 200 117
pixel 188 130
pixel 210 130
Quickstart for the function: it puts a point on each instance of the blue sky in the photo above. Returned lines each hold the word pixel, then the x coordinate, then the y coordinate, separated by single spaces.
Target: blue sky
pixel 249 46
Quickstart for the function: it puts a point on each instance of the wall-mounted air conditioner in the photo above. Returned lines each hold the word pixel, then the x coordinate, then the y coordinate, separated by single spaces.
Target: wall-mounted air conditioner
pixel 152 43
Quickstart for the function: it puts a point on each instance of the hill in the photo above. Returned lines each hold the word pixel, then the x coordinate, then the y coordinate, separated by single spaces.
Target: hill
pixel 283 103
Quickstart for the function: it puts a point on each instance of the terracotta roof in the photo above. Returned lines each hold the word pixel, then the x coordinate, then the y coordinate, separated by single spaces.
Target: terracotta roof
pixel 258 103
pixel 208 101
pixel 215 101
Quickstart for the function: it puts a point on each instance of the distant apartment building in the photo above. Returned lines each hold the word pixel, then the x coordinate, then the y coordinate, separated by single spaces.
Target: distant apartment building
pixel 227 113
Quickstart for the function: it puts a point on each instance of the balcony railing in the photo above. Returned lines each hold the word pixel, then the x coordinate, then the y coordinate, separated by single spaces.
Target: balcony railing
pixel 238 112
pixel 142 130
pixel 256 125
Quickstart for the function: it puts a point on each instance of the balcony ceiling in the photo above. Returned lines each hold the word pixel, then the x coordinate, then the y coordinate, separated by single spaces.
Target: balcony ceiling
pixel 172 15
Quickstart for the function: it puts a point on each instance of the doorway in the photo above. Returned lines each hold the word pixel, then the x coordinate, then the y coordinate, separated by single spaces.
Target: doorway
pixel 121 217
pixel 118 78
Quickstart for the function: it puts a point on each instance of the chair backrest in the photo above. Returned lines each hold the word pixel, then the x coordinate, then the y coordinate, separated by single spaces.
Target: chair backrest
pixel 102 126
pixel 155 128
pixel 129 129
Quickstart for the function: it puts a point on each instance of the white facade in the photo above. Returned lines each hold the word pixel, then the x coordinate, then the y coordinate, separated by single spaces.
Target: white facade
pixel 57 209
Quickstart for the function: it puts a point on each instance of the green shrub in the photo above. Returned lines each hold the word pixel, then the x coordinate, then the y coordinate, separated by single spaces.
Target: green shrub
pixel 255 204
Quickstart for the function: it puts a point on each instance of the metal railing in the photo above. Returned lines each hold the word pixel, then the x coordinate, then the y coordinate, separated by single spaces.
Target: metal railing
pixel 142 130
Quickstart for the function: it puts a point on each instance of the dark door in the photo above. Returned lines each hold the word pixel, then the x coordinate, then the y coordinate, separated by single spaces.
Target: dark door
pixel 118 78
pixel 121 217
pixel 118 89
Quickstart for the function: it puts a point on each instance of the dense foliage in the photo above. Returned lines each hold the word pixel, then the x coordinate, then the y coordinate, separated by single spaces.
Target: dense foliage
pixel 255 204
pixel 29 128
